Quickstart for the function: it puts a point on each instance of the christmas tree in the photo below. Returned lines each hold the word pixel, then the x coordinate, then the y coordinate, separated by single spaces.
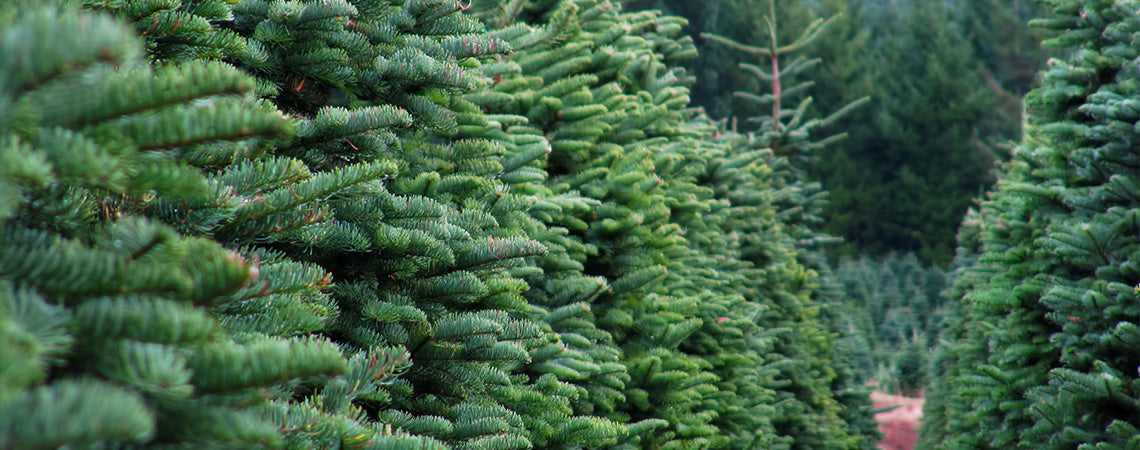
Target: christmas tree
pixel 701 311
pixel 800 290
pixel 592 80
pixel 122 301
pixel 1042 350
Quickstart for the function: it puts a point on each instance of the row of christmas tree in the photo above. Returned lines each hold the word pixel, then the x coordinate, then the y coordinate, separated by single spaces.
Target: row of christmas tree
pixel 399 224
pixel 1042 346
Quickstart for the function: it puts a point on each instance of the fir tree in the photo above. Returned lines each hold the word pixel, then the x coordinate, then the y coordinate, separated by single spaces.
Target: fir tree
pixel 588 78
pixel 1046 354
pixel 785 140
pixel 974 80
pixel 695 355
pixel 1006 45
pixel 334 202
pixel 927 138
pixel 118 303
pixel 430 260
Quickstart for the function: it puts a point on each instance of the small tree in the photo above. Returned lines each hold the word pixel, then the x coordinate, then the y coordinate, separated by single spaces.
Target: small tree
pixel 784 141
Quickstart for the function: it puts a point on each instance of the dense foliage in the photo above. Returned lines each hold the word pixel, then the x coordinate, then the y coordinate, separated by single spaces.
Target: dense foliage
pixel 390 224
pixel 398 224
pixel 1041 350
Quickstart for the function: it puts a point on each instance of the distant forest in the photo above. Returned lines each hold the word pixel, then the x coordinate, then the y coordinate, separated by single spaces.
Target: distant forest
pixel 945 82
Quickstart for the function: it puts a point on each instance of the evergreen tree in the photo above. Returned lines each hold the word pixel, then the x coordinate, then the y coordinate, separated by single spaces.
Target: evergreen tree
pixel 695 356
pixel 786 138
pixel 1006 45
pixel 119 305
pixel 332 203
pixel 927 139
pixel 588 78
pixel 432 260
pixel 1044 353
pixel 742 21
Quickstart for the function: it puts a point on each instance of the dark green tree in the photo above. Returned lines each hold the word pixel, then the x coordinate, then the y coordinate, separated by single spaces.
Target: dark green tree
pixel 742 21
pixel 683 307
pixel 1041 350
pixel 904 181
pixel 119 303
pixel 1006 45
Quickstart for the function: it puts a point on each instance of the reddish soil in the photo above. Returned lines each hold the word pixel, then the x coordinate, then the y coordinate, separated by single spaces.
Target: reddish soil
pixel 899 425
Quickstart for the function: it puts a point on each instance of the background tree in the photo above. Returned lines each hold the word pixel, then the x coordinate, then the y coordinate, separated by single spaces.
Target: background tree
pixel 895 305
pixel 954 107
pixel 787 138
pixel 925 140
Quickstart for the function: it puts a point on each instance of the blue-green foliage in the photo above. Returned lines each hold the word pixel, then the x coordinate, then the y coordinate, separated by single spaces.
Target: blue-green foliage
pixel 120 303
pixel 1041 351
pixel 378 224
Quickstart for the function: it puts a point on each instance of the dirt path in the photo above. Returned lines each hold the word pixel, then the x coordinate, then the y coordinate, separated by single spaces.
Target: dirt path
pixel 900 425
